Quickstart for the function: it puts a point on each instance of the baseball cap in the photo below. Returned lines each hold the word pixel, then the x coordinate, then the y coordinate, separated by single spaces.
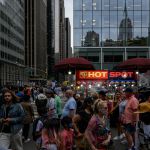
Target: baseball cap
pixel 143 108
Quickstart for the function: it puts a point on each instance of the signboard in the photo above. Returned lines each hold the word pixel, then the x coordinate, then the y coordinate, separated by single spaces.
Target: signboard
pixel 92 75
pixel 122 75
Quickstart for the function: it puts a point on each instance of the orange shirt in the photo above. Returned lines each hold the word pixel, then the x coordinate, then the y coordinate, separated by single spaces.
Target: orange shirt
pixel 131 107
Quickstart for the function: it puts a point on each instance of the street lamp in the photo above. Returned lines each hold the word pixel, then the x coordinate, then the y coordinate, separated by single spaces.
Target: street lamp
pixel 69 72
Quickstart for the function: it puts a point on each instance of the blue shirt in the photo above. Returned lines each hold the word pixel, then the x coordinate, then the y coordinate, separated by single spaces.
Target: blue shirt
pixel 70 105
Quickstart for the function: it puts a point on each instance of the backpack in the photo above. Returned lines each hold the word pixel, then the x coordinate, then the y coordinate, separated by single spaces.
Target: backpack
pixel 41 102
pixel 35 122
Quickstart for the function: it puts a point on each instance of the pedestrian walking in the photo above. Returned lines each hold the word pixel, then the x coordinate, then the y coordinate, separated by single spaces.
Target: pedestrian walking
pixel 70 106
pixel 11 114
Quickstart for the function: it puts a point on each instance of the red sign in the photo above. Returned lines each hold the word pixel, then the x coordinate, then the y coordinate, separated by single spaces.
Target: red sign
pixel 114 74
pixel 92 75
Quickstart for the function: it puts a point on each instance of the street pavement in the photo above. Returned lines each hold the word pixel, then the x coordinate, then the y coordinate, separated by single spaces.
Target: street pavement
pixel 31 145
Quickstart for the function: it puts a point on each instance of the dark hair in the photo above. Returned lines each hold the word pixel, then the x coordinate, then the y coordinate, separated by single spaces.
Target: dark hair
pixel 53 124
pixel 87 101
pixel 40 90
pixel 15 99
pixel 21 88
pixel 66 121
pixel 102 93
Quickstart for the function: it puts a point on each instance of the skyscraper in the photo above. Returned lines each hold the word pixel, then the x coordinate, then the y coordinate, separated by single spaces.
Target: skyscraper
pixel 121 27
pixel 36 38
pixel 68 49
pixel 55 34
pixel 12 48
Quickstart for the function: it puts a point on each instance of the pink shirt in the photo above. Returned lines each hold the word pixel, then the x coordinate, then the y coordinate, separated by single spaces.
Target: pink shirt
pixel 67 139
pixel 131 107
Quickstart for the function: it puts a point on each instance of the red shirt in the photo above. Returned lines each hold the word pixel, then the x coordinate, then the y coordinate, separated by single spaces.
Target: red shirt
pixel 131 107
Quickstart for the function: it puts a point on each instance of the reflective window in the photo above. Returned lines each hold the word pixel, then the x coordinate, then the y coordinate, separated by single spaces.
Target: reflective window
pixel 77 5
pixel 91 38
pixel 105 18
pixel 87 5
pixel 96 4
pixel 145 4
pixel 96 18
pixel 137 32
pixel 105 37
pixel 113 34
pixel 113 19
pixel 145 18
pixel 120 5
pixel 113 5
pixel 105 4
pixel 78 19
pixel 129 4
pixel 137 19
pixel 78 39
pixel 144 32
pixel 87 19
pixel 137 5
pixel 99 33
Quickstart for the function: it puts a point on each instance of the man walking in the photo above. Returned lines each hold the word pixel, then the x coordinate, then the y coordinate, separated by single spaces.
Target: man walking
pixel 71 106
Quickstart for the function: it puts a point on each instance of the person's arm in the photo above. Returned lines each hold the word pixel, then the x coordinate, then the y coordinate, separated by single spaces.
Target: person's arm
pixel 75 120
pixel 19 118
pixel 134 107
pixel 89 135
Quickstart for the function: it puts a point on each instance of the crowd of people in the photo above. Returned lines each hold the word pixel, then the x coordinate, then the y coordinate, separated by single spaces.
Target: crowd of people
pixel 78 123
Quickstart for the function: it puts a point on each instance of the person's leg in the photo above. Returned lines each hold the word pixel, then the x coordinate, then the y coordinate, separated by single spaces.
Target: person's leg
pixel 130 135
pixel 16 141
pixel 4 140
pixel 26 129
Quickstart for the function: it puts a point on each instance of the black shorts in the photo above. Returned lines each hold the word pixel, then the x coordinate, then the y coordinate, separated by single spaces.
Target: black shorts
pixel 129 128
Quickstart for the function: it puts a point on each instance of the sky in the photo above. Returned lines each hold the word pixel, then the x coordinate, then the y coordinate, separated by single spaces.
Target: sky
pixel 69 13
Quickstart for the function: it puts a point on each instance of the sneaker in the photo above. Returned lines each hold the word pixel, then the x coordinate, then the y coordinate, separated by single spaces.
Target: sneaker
pixel 124 141
pixel 27 140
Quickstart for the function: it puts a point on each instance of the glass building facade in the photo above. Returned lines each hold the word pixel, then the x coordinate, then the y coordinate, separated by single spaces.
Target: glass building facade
pixel 106 28
pixel 12 42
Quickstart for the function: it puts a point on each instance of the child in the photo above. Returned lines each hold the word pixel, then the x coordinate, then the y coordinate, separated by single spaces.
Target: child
pixel 50 135
pixel 38 126
pixel 67 134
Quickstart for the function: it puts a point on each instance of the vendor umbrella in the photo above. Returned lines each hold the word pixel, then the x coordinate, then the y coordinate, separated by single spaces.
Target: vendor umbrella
pixel 134 64
pixel 74 63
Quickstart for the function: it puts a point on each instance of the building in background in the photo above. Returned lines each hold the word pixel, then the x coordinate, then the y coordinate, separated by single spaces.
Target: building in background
pixel 55 34
pixel 12 47
pixel 68 49
pixel 108 32
pixel 36 39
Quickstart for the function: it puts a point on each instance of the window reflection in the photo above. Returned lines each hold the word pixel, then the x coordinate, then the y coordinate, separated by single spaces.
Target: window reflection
pixel 78 39
pixel 87 5
pixel 96 4
pixel 112 23
pixel 91 39
pixel 105 5
pixel 87 19
pixel 96 19
pixel 78 19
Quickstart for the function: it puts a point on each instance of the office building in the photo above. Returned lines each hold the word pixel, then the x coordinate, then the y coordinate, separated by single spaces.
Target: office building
pixel 108 32
pixel 12 49
pixel 55 34
pixel 68 49
pixel 36 39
